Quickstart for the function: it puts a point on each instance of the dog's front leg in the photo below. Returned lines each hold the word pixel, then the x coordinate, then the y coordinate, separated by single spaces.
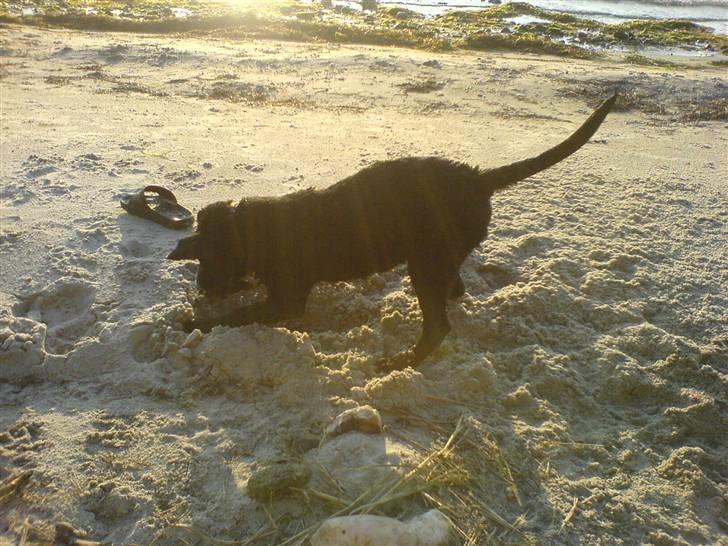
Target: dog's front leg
pixel 263 313
pixel 275 309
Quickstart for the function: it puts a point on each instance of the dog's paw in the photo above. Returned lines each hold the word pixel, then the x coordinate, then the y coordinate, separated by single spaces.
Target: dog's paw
pixel 397 362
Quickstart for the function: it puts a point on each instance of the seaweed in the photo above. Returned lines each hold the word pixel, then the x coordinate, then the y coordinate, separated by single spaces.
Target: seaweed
pixel 490 28
pixel 708 110
pixel 635 58
pixel 529 43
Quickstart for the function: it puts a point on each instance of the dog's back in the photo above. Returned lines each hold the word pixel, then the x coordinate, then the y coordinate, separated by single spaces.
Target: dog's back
pixel 384 215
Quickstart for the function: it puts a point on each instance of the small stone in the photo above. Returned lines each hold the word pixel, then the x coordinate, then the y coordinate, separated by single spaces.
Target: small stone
pixel 362 419
pixel 277 479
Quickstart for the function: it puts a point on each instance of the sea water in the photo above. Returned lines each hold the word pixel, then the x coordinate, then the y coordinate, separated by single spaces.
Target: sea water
pixel 709 13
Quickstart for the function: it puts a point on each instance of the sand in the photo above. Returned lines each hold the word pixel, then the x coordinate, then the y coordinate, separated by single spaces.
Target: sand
pixel 590 347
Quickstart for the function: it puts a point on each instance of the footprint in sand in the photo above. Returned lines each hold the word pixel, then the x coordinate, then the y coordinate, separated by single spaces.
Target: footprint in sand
pixel 35 166
pixel 19 441
pixel 533 245
pixel 89 162
pixel 131 166
pixel 15 193
pixel 497 276
pixel 114 54
pixel 57 189
pixel 9 238
pixel 36 173
pixel 64 306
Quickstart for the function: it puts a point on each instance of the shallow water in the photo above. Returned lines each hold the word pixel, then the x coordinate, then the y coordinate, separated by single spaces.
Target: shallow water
pixel 710 13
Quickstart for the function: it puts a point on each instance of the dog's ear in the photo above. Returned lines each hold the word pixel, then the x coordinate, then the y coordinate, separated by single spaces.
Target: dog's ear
pixel 187 249
pixel 215 216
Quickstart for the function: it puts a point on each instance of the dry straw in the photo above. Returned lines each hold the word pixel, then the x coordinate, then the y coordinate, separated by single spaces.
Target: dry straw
pixel 444 478
pixel 449 476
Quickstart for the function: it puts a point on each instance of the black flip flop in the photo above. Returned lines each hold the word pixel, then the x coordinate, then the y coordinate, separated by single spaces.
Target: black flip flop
pixel 159 205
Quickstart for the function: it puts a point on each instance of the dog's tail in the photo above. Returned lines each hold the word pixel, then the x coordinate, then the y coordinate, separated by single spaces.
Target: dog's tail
pixel 502 177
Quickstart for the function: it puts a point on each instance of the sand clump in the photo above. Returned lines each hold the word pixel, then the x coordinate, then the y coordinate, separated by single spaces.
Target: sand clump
pixel 579 399
pixel 401 389
pixel 23 340
pixel 254 356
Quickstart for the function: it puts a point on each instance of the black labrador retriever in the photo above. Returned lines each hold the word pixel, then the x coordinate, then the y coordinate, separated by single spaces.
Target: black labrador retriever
pixel 426 211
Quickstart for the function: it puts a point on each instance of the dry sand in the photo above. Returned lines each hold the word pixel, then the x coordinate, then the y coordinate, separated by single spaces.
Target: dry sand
pixel 591 346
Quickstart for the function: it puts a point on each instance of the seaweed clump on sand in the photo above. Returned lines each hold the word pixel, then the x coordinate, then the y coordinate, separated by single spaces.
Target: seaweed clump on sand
pixel 129 10
pixel 519 26
pixel 710 110
pixel 514 26
pixel 669 32
pixel 522 23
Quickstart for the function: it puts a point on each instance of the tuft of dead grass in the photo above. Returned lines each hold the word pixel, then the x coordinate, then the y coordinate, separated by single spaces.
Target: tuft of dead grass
pixel 447 477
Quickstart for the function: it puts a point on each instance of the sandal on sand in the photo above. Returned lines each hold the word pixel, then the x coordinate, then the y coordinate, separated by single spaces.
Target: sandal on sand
pixel 159 205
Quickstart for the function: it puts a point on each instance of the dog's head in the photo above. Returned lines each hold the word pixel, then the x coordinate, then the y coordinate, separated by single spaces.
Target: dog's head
pixel 219 248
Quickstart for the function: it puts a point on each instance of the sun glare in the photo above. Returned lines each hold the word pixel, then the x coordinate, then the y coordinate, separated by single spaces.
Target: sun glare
pixel 250 3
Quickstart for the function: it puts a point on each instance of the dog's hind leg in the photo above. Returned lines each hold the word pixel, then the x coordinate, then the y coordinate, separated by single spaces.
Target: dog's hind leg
pixel 433 285
pixel 432 289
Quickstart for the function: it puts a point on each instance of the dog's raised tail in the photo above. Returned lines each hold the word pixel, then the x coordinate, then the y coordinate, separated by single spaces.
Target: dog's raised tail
pixel 502 177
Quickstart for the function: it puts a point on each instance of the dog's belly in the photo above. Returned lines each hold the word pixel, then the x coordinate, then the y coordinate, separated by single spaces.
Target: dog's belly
pixel 355 262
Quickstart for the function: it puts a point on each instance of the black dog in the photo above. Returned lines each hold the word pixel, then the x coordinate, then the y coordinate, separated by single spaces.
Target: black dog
pixel 428 212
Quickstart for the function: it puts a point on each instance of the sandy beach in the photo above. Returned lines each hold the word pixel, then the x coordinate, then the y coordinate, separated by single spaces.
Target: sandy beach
pixel 583 383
